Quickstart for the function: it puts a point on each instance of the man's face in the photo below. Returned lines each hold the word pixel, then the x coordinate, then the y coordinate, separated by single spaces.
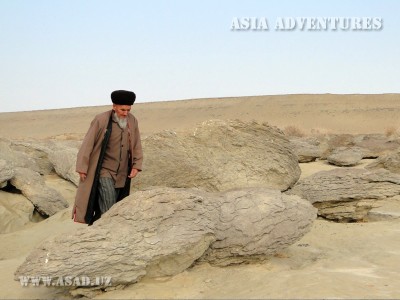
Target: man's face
pixel 121 110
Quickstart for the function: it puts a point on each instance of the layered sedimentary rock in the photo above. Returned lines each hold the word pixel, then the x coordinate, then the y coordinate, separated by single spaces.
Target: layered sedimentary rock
pixel 347 194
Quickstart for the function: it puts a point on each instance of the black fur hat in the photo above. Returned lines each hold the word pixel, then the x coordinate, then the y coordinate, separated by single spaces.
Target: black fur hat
pixel 122 97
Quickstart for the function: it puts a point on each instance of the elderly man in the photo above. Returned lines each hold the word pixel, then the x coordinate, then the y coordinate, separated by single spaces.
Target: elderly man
pixel 110 155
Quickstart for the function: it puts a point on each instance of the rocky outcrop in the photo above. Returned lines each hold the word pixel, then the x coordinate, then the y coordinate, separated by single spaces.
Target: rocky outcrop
pixel 163 231
pixel 390 162
pixel 219 156
pixel 345 157
pixel 47 201
pixel 347 194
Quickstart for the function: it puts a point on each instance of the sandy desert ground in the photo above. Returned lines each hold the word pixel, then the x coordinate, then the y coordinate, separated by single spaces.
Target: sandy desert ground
pixel 350 261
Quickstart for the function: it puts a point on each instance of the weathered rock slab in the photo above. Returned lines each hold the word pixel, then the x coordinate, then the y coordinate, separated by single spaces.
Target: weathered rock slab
pixel 47 201
pixel 347 194
pixel 162 231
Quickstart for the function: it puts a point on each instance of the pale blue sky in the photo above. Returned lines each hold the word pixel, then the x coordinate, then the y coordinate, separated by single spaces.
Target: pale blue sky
pixel 70 53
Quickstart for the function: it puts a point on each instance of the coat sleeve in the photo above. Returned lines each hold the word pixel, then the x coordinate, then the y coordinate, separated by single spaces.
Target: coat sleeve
pixel 137 153
pixel 85 151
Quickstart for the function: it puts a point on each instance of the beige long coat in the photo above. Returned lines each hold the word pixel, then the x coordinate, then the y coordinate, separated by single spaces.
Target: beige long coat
pixel 88 157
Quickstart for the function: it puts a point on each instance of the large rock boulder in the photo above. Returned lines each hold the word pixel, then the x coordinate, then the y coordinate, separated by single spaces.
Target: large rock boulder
pixel 163 231
pixel 47 201
pixel 219 156
pixel 347 194
pixel 345 157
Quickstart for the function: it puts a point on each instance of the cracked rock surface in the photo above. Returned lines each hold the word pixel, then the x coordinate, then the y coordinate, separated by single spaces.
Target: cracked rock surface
pixel 220 155
pixel 163 231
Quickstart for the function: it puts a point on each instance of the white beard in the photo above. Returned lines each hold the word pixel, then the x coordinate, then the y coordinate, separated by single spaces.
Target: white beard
pixel 122 122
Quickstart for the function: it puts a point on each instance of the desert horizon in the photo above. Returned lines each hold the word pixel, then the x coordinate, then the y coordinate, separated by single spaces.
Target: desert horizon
pixel 345 113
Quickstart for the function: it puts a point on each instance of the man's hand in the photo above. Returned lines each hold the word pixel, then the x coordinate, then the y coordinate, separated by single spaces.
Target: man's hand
pixel 133 173
pixel 82 176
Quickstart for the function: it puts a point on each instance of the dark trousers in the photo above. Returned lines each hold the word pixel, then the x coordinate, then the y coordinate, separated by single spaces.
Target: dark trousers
pixel 108 194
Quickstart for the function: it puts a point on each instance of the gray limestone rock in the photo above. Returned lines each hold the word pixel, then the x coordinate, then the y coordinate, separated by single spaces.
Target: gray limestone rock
pixel 219 156
pixel 163 231
pixel 47 201
pixel 347 194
